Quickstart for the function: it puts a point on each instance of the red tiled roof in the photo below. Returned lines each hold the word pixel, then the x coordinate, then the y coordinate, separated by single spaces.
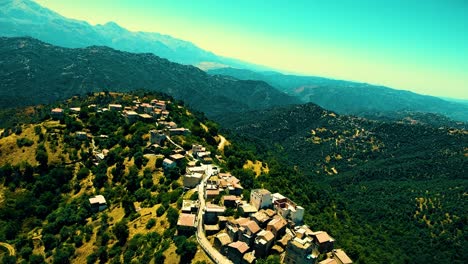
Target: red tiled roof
pixel 242 247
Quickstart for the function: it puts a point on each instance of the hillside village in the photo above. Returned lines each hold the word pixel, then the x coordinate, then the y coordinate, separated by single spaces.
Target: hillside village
pixel 262 224
pixel 231 224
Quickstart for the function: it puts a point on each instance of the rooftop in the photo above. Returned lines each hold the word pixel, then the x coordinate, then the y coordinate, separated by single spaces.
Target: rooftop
pixel 224 238
pixel 177 156
pixel 266 235
pixel 98 199
pixel 214 208
pixel 242 247
pixel 261 191
pixel 322 236
pixel 341 255
pixel 252 226
pixel 278 223
pixel 186 220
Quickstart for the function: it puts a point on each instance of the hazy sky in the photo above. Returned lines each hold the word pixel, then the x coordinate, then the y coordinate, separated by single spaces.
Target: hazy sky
pixel 417 45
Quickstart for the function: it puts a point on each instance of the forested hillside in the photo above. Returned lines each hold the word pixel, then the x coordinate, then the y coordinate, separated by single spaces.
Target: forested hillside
pixel 34 72
pixel 48 172
pixel 395 192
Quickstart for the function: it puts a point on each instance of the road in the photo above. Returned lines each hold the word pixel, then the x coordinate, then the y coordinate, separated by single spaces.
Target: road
pixel 214 254
pixel 10 248
pixel 175 144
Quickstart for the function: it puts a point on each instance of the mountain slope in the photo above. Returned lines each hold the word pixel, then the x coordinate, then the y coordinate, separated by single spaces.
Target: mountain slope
pixel 350 97
pixel 19 18
pixel 34 72
pixel 392 185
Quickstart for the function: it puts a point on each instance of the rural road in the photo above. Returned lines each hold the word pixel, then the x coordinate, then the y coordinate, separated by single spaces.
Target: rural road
pixel 214 254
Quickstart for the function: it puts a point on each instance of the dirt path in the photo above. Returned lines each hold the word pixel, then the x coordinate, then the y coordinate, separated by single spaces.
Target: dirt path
pixel 223 142
pixel 10 248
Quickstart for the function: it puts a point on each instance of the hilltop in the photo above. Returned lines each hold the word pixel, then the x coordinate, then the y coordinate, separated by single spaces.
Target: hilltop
pixel 34 72
pixel 120 178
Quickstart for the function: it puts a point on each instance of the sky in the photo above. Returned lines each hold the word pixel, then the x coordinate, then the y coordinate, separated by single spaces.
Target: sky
pixel 417 45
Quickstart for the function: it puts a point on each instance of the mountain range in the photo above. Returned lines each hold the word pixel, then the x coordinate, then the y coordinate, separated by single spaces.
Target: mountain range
pixel 19 18
pixel 351 97
pixel 34 72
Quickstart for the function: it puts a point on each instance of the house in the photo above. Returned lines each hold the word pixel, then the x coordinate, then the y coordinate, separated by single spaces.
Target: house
pixel 196 169
pixel 190 207
pixel 277 226
pixel 221 242
pixel 131 116
pixel 75 110
pixel 192 180
pixel 146 118
pixel 288 209
pixel 232 230
pixel 168 164
pixel 98 203
pixel 236 251
pixel 249 258
pixel 263 243
pixel 337 256
pixel 260 198
pixel 323 242
pixel 56 113
pixel 248 231
pixel 210 194
pixel 115 107
pixel 179 131
pixel 211 229
pixel 299 251
pixel 230 200
pixel 81 135
pixel 160 105
pixel 261 218
pixel 157 136
pixel 222 220
pixel 177 157
pixel 212 211
pixel 247 209
pixel 186 223
pixel 145 107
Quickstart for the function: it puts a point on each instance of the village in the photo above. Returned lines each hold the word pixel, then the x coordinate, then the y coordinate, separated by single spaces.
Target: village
pixel 229 227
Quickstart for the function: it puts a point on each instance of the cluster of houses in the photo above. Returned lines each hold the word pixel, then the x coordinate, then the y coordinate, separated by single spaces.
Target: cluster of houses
pixel 267 224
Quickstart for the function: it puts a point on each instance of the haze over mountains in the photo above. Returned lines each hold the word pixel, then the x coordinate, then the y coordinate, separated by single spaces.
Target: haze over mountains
pixel 350 97
pixel 20 18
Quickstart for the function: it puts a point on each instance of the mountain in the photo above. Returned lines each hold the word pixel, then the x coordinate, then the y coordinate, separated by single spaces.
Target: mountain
pixel 19 18
pixel 350 97
pixel 34 72
pixel 394 190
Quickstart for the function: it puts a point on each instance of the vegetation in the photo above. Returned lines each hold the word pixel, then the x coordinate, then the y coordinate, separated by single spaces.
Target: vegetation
pixel 387 191
pixel 44 204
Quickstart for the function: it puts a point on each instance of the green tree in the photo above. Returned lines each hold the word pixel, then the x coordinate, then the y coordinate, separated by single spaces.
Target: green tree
pixel 121 232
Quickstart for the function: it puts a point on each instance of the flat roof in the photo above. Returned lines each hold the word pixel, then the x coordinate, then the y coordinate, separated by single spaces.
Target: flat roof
pixel 186 220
